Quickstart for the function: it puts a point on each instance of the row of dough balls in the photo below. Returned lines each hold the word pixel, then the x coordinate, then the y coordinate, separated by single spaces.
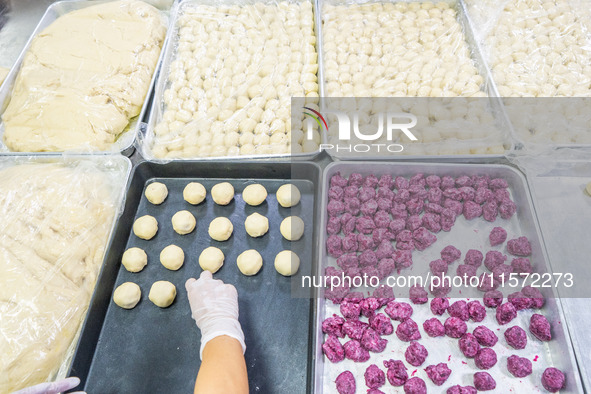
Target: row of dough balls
pixel 249 262
pixel 397 49
pixel 230 85
pixel 128 295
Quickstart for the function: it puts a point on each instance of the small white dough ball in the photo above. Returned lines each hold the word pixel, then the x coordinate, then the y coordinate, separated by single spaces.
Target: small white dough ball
pixel 172 257
pixel 194 193
pixel 292 228
pixel 249 262
pixel 220 229
pixel 127 295
pixel 145 227
pixel 211 259
pixel 134 259
pixel 162 293
pixel 222 193
pixel 156 193
pixel 288 195
pixel 183 222
pixel 256 225
pixel 287 263
pixel 254 195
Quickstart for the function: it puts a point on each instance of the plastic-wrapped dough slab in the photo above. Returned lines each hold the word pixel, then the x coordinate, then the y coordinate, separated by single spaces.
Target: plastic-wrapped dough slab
pixel 83 78
pixel 227 79
pixel 464 235
pixel 57 217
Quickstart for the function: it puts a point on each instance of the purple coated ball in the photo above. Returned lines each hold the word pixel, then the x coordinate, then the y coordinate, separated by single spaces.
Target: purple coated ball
pixel 346 383
pixel 516 337
pixel 433 327
pixel 416 354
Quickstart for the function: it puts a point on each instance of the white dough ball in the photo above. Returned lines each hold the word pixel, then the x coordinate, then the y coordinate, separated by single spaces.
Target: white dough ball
pixel 249 262
pixel 145 227
pixel 288 195
pixel 211 259
pixel 220 229
pixel 222 193
pixel 183 222
pixel 256 225
pixel 194 193
pixel 156 193
pixel 254 195
pixel 172 257
pixel 127 295
pixel 134 259
pixel 292 228
pixel 162 293
pixel 287 263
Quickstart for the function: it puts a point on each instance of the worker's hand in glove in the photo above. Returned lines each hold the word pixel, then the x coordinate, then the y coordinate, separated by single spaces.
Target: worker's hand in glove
pixel 52 388
pixel 214 306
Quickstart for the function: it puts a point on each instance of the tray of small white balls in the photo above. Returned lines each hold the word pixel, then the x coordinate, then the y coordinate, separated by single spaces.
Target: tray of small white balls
pixel 252 225
pixel 227 79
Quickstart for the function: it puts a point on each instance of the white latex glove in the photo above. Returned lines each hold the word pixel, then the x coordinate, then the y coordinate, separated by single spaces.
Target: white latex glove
pixel 51 388
pixel 214 306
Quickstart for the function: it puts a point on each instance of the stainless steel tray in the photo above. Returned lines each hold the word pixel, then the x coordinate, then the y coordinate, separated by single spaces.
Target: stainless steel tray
pixel 124 143
pixel 558 352
pixel 155 113
pixel 496 105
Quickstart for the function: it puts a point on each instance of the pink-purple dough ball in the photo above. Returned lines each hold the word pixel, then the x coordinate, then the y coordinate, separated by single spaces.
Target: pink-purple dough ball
pixel 374 377
pixel 535 295
pixel 497 236
pixel 505 313
pixel 516 337
pixel 333 349
pixel 408 331
pixel 473 257
pixel 459 309
pixel 396 373
pixel 469 345
pixel 418 295
pixel 438 373
pixel 455 327
pixel 485 336
pixel 520 367
pixel 484 382
pixel 553 379
pixel 333 325
pixel 355 352
pixel 492 298
pixel 493 259
pixel 540 327
pixel 477 311
pixel 399 311
pixel 381 324
pixel 346 383
pixel 439 305
pixel 519 247
pixel 433 327
pixel 486 358
pixel 415 386
pixel 450 253
pixel 372 341
pixel 415 354
pixel 457 389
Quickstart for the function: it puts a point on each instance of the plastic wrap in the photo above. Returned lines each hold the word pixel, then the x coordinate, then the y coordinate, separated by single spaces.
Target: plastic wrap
pixel 83 78
pixel 56 221
pixel 228 80
pixel 3 74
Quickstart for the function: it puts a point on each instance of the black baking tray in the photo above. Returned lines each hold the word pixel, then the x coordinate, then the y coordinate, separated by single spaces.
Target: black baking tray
pixel 153 350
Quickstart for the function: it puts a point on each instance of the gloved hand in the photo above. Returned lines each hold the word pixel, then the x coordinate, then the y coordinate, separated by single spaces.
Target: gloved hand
pixel 52 388
pixel 214 306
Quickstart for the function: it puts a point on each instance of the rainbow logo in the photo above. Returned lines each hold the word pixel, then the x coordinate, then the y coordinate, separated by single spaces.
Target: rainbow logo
pixel 317 117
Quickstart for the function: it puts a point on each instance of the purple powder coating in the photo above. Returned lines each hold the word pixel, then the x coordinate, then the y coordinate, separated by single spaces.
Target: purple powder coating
pixel 435 195
pixel 333 226
pixel 484 382
pixel 348 260
pixel 477 311
pixel 415 354
pixel 414 206
pixel 519 301
pixel 480 180
pixel 459 309
pixel 349 243
pixel 355 352
pixel 521 265
pixel 415 386
pixel 438 373
pixel 439 305
pixel 418 295
pixel 408 331
pixel 418 179
pixel 336 193
pixel 399 311
pixel 473 257
pixel 333 326
pixel 404 236
pixel 367 193
pixel 535 295
pixel 334 246
pixel 469 345
pixel 466 271
pixel 486 358
pixel 505 313
pixel 448 219
pixel 348 225
pixel 396 374
pixel 423 238
pixel 519 247
pixel 493 259
pixel 418 191
pixel 335 208
pixel 403 258
pixel 413 222
pixel 468 193
pixel 385 203
pixel 519 367
pixel 382 234
pixel 463 181
pixel 540 327
pixel 346 383
pixel 507 209
pixel 485 336
pixel 490 211
pixel 354 329
pixel 372 341
pixel 385 250
pixel 402 196
pixel 472 210
pixel 333 349
pixel 433 181
pixel 365 225
pixel 438 267
pixel 401 183
pixel 493 298
pixel 455 206
pixel 338 180
pixel 432 222
pixel 453 193
pixel 497 236
pixel 516 337
pixel 433 327
pixel 381 324
pixel 381 219
pixel 368 258
pixel 364 242
pixel 447 182
pixel 386 267
pixel 454 327
pixel 498 183
pixel 457 389
pixel 369 306
pixel 434 208
pixel 355 179
pixel 450 253
pixel 501 195
pixel 374 391
pixel 350 310
pixel 369 208
pixel 371 181
pixel 386 181
pixel 384 294
pixel 350 191
pixel 553 379
pixel 374 377
pixel 483 195
pixel 397 225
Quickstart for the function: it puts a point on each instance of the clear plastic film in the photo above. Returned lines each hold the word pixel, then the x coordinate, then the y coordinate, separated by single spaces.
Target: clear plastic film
pixel 3 74
pixel 57 217
pixel 84 78
pixel 229 74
